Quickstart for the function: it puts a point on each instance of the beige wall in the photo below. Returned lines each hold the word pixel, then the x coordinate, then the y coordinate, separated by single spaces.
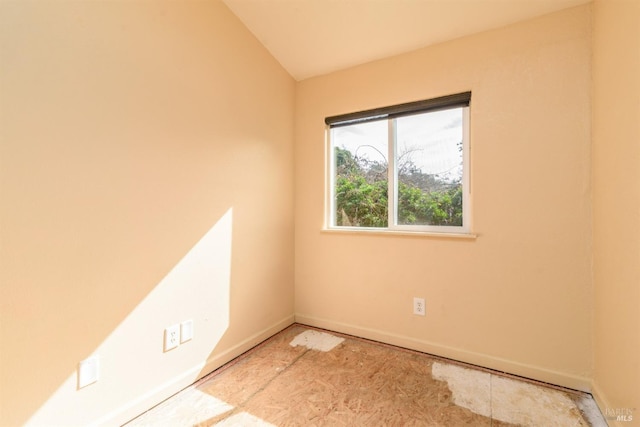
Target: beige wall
pixel 616 204
pixel 518 297
pixel 147 178
pixel 147 165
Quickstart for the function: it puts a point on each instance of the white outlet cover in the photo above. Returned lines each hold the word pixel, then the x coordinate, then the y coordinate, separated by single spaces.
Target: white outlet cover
pixel 186 331
pixel 171 337
pixel 88 371
pixel 419 307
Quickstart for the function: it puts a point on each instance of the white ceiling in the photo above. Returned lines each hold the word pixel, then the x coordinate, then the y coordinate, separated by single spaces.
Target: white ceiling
pixel 314 37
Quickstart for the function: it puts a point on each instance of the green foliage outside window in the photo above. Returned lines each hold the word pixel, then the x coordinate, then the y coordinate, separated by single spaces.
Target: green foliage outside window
pixel 361 192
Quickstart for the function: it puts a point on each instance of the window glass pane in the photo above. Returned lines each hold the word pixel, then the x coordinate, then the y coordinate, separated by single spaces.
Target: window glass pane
pixel 429 168
pixel 360 183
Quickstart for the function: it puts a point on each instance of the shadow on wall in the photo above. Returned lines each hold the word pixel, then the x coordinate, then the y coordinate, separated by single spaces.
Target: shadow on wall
pixel 197 289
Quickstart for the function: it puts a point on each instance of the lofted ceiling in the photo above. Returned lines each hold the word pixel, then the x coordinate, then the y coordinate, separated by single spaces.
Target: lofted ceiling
pixel 314 37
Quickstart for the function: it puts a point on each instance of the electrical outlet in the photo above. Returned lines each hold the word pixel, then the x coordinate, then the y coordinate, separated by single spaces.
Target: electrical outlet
pixel 171 337
pixel 419 307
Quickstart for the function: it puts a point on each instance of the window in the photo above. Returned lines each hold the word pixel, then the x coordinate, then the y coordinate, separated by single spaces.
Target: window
pixel 401 168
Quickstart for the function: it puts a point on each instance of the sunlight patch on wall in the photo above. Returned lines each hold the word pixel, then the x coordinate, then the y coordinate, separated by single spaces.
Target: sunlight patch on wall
pixel 132 357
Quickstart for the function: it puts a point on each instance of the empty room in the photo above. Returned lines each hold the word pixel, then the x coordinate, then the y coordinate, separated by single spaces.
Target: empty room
pixel 318 212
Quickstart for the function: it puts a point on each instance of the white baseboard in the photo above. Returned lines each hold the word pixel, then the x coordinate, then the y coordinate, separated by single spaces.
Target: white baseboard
pixel 153 397
pixel 562 379
pixel 220 359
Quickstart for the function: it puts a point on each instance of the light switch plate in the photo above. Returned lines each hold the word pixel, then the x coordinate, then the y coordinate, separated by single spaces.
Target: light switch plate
pixel 88 371
pixel 186 331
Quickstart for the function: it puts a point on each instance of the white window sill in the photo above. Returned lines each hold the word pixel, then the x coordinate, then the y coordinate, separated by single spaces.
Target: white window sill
pixel 386 232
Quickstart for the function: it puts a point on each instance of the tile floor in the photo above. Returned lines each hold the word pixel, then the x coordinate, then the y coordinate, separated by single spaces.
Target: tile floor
pixel 308 377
